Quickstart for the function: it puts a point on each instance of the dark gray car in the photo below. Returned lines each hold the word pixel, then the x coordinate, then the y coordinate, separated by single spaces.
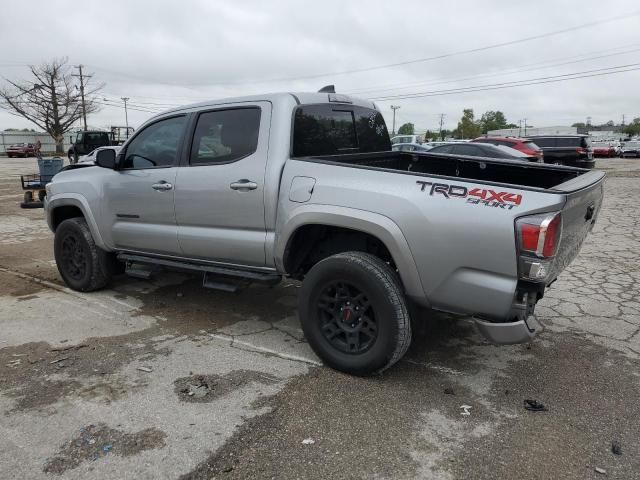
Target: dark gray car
pixel 483 150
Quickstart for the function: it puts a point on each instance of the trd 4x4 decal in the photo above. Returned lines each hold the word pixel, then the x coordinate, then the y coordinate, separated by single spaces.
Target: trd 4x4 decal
pixel 476 196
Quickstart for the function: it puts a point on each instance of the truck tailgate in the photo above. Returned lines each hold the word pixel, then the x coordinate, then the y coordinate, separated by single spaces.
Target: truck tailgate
pixel 584 200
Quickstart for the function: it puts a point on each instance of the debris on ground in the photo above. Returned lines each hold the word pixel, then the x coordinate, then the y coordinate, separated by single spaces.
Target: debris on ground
pixel 534 406
pixel 601 471
pixel 616 448
pixel 145 369
pixel 308 441
pixel 465 409
pixel 96 441
pixel 198 389
pixel 449 391
pixel 61 359
pixel 206 388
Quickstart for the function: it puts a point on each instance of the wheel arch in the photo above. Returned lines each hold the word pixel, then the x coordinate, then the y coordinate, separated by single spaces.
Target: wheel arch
pixel 72 206
pixel 367 225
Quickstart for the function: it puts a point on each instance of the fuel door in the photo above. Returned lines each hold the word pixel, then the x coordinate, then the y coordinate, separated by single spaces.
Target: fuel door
pixel 301 189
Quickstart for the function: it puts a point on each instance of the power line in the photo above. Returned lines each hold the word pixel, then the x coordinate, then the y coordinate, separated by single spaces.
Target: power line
pixel 518 83
pixel 413 61
pixel 458 52
pixel 521 69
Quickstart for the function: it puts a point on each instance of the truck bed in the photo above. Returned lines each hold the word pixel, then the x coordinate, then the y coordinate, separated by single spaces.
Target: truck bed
pixel 486 170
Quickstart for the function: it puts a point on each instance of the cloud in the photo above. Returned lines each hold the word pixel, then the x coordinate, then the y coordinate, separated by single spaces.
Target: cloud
pixel 167 52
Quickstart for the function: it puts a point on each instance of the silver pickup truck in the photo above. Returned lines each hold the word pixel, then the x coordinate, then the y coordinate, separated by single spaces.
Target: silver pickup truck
pixel 306 186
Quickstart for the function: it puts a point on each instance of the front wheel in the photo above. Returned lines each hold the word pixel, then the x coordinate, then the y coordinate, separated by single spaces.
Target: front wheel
pixel 354 313
pixel 81 263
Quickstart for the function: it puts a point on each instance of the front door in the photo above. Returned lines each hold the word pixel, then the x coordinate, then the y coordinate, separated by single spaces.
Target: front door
pixel 220 193
pixel 139 196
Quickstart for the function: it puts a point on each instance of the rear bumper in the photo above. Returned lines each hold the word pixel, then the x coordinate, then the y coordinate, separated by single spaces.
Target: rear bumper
pixel 509 333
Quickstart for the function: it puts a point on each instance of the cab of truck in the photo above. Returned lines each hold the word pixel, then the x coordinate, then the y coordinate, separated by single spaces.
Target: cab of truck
pixel 86 142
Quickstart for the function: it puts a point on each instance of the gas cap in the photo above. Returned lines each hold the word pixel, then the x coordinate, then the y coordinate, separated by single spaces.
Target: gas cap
pixel 301 189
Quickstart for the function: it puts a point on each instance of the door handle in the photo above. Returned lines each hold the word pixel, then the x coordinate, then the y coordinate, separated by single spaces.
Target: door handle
pixel 162 186
pixel 243 185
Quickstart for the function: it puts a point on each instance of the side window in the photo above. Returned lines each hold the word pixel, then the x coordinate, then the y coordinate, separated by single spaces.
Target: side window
pixel 156 145
pixel 443 149
pixel 225 136
pixel 468 150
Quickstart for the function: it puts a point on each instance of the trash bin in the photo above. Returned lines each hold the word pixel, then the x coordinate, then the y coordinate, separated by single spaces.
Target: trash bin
pixel 49 167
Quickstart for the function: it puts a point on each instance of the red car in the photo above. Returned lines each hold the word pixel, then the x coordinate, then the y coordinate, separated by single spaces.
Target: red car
pixel 21 150
pixel 603 150
pixel 521 144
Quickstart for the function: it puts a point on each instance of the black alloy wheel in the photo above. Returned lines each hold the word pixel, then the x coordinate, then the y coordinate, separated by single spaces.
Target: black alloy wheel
pixel 348 321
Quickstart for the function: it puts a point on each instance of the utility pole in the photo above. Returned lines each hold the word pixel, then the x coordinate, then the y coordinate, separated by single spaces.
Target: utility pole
pixel 394 108
pixel 441 122
pixel 126 116
pixel 588 121
pixel 525 127
pixel 623 119
pixel 519 128
pixel 84 107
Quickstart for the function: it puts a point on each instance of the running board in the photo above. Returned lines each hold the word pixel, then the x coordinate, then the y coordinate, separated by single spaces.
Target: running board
pixel 270 278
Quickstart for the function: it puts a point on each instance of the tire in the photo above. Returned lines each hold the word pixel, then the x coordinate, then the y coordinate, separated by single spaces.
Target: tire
pixel 73 157
pixel 333 297
pixel 28 196
pixel 83 266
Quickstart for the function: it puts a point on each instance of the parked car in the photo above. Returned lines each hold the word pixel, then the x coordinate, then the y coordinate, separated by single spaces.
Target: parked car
pixel 572 150
pixel 254 189
pixel 410 147
pixel 21 150
pixel 601 149
pixel 484 150
pixel 523 145
pixel 630 149
pixel 87 141
pixel 91 156
pixel 406 139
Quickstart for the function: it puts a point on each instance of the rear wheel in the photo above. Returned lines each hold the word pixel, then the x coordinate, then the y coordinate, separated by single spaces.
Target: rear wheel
pixel 81 263
pixel 354 313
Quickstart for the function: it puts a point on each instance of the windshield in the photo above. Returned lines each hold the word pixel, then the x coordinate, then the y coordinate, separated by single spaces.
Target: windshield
pixel 531 146
pixel 328 129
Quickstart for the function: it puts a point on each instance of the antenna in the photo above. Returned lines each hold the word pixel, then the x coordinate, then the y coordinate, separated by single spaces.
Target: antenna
pixel 328 89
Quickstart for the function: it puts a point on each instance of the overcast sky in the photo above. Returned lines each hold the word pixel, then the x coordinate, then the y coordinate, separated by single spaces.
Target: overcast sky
pixel 160 53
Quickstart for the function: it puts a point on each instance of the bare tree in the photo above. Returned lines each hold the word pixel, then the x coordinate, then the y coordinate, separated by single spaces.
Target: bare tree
pixel 50 99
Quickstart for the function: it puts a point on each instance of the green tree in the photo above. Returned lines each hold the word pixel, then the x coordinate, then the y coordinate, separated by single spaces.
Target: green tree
pixel 579 125
pixel 406 129
pixel 493 121
pixel 467 126
pixel 633 128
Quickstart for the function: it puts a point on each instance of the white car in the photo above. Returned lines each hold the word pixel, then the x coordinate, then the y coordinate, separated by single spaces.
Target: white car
pixel 405 139
pixel 91 156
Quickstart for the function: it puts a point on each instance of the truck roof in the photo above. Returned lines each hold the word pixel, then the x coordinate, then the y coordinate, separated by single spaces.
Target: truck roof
pixel 300 98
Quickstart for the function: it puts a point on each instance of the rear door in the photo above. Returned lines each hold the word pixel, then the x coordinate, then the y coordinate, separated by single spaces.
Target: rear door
pixel 219 199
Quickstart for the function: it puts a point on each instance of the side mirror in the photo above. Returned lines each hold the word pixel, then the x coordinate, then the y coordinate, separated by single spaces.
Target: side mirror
pixel 106 158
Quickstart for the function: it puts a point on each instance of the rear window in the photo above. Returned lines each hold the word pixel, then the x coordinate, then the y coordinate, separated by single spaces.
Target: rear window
pixel 336 129
pixel 545 142
pixel 569 142
pixel 531 146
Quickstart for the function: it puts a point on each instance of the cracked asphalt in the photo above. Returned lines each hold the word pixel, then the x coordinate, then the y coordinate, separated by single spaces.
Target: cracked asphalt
pixel 164 379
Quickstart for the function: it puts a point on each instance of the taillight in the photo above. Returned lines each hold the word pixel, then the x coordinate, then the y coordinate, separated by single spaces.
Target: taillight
pixel 540 156
pixel 581 150
pixel 540 234
pixel 538 240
